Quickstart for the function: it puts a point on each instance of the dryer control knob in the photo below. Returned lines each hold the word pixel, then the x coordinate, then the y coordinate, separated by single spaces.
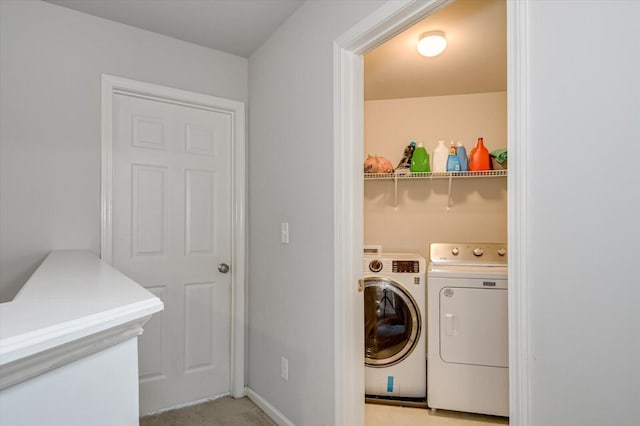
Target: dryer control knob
pixel 455 251
pixel 502 252
pixel 478 252
pixel 375 265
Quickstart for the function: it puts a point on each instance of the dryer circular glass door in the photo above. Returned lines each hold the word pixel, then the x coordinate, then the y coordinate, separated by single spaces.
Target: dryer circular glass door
pixel 391 322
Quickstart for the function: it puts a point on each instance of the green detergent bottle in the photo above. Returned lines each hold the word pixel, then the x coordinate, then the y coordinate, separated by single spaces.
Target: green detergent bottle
pixel 420 160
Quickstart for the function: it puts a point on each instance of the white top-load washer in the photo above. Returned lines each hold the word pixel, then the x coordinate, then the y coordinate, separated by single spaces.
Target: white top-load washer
pixel 468 356
pixel 394 330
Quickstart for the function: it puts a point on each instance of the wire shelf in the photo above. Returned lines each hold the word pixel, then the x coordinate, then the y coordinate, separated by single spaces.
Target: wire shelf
pixel 431 175
pixel 450 176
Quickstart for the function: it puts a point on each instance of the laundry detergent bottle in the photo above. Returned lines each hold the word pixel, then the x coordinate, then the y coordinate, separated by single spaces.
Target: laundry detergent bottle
pixel 453 164
pixel 405 162
pixel 440 155
pixel 479 158
pixel 461 152
pixel 420 160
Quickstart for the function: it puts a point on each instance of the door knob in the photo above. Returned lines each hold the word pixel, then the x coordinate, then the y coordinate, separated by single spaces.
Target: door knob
pixel 223 267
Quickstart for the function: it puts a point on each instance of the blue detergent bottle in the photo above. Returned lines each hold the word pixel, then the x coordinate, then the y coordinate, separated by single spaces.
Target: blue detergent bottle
pixel 461 152
pixel 453 164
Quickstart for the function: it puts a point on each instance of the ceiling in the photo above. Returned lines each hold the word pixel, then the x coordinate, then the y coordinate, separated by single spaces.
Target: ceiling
pixel 475 60
pixel 235 26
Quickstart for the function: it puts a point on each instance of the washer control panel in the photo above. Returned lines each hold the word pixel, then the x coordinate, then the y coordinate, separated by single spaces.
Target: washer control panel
pixel 397 266
pixel 468 254
pixel 389 264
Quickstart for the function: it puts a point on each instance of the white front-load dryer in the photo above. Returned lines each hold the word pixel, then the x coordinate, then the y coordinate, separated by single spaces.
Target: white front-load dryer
pixel 394 329
pixel 468 367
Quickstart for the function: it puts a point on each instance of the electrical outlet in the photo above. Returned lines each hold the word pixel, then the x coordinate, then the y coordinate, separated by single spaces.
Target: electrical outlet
pixel 284 368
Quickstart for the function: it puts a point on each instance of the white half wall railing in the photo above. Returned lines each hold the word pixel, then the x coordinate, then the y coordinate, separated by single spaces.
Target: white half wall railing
pixel 68 344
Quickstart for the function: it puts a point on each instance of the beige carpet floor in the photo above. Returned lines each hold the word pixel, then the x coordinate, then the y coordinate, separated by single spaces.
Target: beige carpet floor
pixel 220 412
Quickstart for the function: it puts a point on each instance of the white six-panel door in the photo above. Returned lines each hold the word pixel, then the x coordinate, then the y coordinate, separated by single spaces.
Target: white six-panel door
pixel 171 224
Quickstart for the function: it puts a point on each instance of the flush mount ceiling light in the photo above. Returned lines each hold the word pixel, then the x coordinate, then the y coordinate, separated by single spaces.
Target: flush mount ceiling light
pixel 432 43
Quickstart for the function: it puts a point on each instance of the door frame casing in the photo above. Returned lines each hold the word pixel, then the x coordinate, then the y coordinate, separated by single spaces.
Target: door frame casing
pixel 386 22
pixel 112 85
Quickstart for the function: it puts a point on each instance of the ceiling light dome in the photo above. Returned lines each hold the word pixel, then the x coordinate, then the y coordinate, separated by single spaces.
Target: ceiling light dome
pixel 432 43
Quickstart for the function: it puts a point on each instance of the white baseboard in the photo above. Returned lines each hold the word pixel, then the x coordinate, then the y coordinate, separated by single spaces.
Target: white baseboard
pixel 266 406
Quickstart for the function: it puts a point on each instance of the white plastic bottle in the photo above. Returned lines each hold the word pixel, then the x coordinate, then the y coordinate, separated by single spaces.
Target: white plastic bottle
pixel 440 155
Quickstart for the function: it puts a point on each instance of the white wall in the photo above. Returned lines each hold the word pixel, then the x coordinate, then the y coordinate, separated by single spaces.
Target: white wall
pixel 291 180
pixel 478 206
pixel 98 390
pixel 50 66
pixel 583 212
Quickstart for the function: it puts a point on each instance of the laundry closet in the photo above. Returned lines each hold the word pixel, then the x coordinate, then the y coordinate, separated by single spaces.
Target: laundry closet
pixel 457 97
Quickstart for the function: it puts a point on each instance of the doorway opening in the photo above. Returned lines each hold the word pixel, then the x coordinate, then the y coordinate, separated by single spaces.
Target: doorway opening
pixel 439 103
pixel 387 22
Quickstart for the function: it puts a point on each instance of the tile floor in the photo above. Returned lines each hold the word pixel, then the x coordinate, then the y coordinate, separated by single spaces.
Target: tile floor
pixel 242 412
pixel 389 415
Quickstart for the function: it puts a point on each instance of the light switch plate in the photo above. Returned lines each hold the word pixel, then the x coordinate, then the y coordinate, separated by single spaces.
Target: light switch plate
pixel 284 368
pixel 284 232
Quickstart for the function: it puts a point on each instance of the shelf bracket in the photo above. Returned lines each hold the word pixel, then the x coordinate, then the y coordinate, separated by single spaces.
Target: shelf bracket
pixel 395 190
pixel 449 193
